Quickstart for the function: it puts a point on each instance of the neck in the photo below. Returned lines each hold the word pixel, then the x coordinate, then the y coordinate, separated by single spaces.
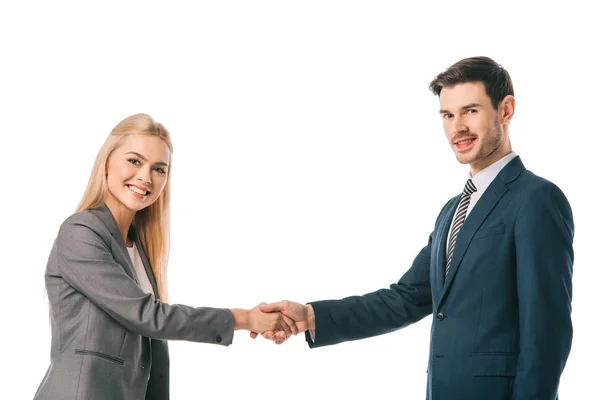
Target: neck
pixel 496 155
pixel 122 215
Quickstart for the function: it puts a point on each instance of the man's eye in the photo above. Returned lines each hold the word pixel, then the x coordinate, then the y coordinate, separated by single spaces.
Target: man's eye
pixel 447 116
pixel 471 111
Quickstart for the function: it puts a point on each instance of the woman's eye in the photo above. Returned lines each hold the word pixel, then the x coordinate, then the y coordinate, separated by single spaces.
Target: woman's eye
pixel 159 170
pixel 133 161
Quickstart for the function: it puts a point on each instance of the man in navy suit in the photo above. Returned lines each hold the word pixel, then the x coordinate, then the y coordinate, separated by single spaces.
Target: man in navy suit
pixel 496 271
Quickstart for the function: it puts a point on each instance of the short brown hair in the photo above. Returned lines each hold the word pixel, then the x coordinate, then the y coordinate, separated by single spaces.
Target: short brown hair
pixel 494 77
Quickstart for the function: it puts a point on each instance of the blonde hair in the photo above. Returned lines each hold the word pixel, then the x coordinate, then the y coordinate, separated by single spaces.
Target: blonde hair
pixel 152 222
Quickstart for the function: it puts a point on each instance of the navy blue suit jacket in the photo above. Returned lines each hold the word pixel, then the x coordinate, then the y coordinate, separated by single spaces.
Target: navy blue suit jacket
pixel 502 318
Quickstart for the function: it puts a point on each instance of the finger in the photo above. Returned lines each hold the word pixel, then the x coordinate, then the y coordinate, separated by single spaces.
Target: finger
pixel 283 325
pixel 280 335
pixel 279 338
pixel 253 335
pixel 268 334
pixel 291 323
pixel 271 307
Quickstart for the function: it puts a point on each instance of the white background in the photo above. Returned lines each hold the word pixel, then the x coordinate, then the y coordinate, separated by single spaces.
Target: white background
pixel 309 163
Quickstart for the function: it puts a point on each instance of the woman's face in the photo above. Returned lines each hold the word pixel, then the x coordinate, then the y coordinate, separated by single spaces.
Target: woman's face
pixel 137 172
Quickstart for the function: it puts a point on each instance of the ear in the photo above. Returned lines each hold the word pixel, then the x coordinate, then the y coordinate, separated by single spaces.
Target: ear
pixel 506 109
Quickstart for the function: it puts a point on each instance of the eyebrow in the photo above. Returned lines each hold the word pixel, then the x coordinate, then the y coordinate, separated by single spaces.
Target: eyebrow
pixel 472 105
pixel 145 159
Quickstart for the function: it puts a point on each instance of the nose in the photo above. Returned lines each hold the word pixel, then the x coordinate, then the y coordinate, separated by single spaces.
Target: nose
pixel 458 126
pixel 144 177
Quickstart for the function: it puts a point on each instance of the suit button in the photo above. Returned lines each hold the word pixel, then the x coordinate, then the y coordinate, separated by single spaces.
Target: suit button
pixel 219 339
pixel 440 316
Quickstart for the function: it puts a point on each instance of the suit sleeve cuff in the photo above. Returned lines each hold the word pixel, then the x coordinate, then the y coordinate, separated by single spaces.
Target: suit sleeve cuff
pixel 224 334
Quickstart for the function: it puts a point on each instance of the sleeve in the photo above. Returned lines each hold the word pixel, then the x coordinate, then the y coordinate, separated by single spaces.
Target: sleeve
pixel 87 264
pixel 544 253
pixel 377 313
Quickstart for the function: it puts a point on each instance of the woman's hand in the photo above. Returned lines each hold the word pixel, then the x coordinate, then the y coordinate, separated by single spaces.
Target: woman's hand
pixel 255 320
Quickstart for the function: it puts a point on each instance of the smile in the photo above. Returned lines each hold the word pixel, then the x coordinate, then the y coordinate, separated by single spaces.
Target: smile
pixel 138 191
pixel 464 143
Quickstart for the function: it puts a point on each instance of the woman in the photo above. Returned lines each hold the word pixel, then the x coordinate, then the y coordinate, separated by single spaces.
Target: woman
pixel 106 280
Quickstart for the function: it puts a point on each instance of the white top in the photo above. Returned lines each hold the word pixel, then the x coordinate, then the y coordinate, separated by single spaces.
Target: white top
pixel 134 254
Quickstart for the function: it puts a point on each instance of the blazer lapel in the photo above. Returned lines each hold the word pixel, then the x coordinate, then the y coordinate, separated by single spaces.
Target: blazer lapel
pixel 478 214
pixel 147 265
pixel 104 214
pixel 440 251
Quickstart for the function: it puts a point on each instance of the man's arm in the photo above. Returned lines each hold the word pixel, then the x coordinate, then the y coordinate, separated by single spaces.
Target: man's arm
pixel 372 314
pixel 544 252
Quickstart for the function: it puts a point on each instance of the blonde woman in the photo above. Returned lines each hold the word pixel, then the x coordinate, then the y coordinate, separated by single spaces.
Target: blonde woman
pixel 106 280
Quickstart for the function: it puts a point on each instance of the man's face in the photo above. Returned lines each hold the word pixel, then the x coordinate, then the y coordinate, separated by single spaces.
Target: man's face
pixel 472 125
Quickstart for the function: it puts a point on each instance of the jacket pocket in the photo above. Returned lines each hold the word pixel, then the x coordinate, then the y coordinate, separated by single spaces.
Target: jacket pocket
pixel 489 231
pixel 106 357
pixel 493 364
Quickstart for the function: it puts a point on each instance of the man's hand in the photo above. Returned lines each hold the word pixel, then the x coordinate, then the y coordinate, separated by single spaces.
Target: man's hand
pixel 302 315
pixel 256 320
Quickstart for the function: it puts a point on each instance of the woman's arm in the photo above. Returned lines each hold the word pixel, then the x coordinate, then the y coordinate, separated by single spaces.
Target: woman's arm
pixel 85 262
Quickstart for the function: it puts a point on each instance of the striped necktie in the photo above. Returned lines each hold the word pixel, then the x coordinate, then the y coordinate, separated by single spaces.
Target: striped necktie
pixel 459 220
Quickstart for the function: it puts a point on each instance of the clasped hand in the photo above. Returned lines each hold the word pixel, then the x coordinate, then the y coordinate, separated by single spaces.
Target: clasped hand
pixel 290 319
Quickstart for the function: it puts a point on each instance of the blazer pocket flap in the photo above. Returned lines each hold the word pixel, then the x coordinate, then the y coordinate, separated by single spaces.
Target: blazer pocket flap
pixel 116 360
pixel 488 231
pixel 493 364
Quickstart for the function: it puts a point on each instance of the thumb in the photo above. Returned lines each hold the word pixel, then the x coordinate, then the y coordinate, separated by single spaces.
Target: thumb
pixel 253 335
pixel 271 307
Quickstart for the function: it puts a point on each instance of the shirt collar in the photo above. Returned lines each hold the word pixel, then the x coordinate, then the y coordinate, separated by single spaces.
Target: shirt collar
pixel 484 177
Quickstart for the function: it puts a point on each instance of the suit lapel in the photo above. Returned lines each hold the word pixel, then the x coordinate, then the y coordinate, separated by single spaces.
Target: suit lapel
pixel 478 214
pixel 440 250
pixel 147 265
pixel 104 214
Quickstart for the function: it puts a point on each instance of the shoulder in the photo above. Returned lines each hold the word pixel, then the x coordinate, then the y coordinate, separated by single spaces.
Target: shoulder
pixel 535 189
pixel 83 224
pixel 541 203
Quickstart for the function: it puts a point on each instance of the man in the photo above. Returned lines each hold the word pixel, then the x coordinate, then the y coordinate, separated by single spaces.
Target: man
pixel 496 271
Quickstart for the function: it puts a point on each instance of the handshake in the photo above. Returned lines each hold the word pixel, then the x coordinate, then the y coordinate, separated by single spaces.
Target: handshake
pixel 275 321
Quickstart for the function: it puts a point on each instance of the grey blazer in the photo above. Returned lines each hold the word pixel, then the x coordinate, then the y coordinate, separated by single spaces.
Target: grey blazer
pixel 101 319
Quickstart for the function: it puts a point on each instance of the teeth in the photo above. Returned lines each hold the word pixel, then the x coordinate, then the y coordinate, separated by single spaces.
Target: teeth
pixel 136 190
pixel 465 141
